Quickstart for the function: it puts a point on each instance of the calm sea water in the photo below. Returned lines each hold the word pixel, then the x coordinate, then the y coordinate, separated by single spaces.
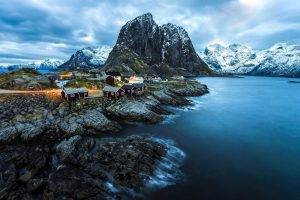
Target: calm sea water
pixel 242 141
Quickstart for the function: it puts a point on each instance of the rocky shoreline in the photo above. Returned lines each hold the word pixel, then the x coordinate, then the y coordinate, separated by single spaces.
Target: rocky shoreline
pixel 54 149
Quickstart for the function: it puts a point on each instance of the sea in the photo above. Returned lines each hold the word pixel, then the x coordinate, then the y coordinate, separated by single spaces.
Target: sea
pixel 240 141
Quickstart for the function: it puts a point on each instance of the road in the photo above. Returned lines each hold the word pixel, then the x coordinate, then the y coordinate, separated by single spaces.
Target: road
pixel 92 93
pixel 28 92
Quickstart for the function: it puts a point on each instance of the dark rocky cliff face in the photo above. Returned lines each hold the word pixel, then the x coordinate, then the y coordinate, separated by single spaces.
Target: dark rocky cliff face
pixel 143 36
pixel 178 51
pixel 124 60
pixel 168 46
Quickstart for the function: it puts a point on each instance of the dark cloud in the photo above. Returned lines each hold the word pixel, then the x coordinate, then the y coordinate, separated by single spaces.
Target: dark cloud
pixel 38 29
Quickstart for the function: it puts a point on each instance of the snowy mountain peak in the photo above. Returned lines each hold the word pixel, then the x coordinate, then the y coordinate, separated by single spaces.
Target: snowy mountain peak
pixel 214 47
pixel 50 63
pixel 145 17
pixel 282 59
pixel 176 31
pixel 88 58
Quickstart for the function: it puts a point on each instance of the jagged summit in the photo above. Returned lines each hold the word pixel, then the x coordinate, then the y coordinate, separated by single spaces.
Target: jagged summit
pixel 87 58
pixel 168 45
pixel 282 59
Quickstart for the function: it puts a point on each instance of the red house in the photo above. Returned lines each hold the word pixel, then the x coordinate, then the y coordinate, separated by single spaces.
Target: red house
pixel 109 91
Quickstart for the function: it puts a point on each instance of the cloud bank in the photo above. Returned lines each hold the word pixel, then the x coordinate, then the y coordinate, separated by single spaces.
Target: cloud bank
pixel 37 29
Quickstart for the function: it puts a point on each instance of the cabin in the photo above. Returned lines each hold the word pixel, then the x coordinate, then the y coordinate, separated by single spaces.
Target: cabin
pixel 52 76
pixel 140 88
pixel 34 85
pixel 110 91
pixel 74 93
pixel 65 76
pixel 177 78
pixel 129 89
pixel 116 75
pixel 154 80
pixel 134 89
pixel 136 79
pixel 110 80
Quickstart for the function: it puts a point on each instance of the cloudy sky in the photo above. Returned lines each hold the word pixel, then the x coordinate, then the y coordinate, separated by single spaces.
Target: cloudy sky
pixel 38 29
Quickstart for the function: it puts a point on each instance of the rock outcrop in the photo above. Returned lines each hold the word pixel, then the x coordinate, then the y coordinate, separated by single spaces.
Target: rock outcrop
pixel 145 109
pixel 167 46
pixel 53 149
pixel 25 79
pixel 78 168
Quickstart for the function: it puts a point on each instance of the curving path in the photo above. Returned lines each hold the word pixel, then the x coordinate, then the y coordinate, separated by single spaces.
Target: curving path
pixel 28 92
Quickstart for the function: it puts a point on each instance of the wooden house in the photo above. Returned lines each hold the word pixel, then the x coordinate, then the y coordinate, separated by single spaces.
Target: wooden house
pixel 74 93
pixel 110 80
pixel 129 89
pixel 136 79
pixel 65 76
pixel 154 79
pixel 116 75
pixel 109 91
pixel 140 88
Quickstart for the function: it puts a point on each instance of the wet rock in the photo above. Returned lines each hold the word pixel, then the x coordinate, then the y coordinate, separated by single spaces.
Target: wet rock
pixel 30 131
pixel 69 182
pixel 96 120
pixel 131 160
pixel 8 134
pixel 188 88
pixel 71 125
pixel 18 165
pixel 35 184
pixel 66 149
pixel 168 98
pixel 135 110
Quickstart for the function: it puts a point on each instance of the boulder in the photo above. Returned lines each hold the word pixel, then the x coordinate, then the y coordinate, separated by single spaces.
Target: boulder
pixel 72 183
pixel 8 134
pixel 134 110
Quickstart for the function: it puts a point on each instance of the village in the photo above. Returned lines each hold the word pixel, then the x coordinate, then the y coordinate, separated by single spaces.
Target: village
pixel 113 85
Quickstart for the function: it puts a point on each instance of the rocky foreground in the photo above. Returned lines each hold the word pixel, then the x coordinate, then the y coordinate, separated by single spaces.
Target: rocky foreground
pixel 59 150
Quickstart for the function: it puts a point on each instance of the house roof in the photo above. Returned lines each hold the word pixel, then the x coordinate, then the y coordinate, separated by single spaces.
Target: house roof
pixel 111 89
pixel 138 85
pixel 75 90
pixel 128 86
pixel 112 73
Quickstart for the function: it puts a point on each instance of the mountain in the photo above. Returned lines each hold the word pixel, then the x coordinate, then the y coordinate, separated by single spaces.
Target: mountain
pixel 282 59
pixel 47 64
pixel 163 49
pixel 87 58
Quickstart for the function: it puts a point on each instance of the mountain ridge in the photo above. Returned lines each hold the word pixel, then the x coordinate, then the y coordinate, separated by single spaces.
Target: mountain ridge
pixel 282 59
pixel 87 58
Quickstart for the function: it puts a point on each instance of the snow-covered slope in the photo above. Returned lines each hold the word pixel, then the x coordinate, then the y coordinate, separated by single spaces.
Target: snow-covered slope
pixel 280 60
pixel 88 58
pixel 47 64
